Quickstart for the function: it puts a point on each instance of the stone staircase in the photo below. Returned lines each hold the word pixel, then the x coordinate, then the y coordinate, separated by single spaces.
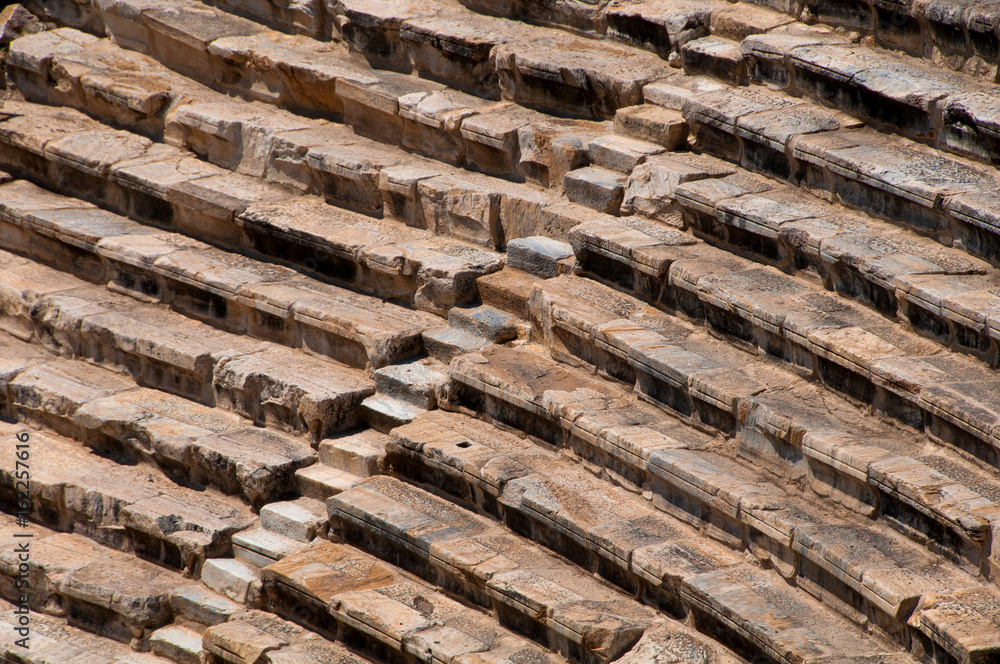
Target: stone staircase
pixel 651 331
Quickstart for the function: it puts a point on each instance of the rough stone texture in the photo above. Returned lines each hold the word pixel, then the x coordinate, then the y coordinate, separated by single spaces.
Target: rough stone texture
pixel 536 299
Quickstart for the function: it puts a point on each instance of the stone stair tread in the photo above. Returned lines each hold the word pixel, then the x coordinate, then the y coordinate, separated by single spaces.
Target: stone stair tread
pixel 360 454
pixel 383 412
pixel 413 382
pixel 177 643
pixel 54 640
pixel 301 519
pixel 320 481
pixel 144 504
pixel 233 578
pixel 261 546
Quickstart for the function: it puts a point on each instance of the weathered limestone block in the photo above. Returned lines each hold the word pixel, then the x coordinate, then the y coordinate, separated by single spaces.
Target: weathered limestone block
pixel 455 48
pixel 773 619
pixel 573 77
pixel 179 36
pixel 201 605
pixel 259 547
pixel 432 122
pixel 301 519
pixel 663 26
pixel 651 123
pixel 306 17
pixel 652 186
pixel 239 137
pixel 289 70
pixel 372 108
pixel 29 61
pixel 540 255
pixel 177 643
pixel 372 28
pixel 249 636
pixel 287 390
pixel 416 382
pixel 122 598
pixel 715 57
pixel 968 617
pixel 597 188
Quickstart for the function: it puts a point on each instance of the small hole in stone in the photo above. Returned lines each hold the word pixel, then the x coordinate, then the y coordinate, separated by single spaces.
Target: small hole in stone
pixel 464 444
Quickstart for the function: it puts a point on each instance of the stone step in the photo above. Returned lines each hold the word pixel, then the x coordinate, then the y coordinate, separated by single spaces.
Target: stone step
pixel 146 181
pixel 340 591
pixel 54 640
pixel 256 636
pixel 404 521
pixel 361 454
pixel 234 292
pixel 947 198
pixel 235 579
pixel 129 508
pixel 777 422
pixel 850 349
pixel 384 413
pixel 947 109
pixel 413 382
pixel 484 321
pixel 539 255
pixel 193 444
pixel 177 643
pixel 272 385
pixel 380 107
pixel 862 569
pixel 301 519
pixel 260 547
pixel 103 591
pixel 320 481
pixel 446 343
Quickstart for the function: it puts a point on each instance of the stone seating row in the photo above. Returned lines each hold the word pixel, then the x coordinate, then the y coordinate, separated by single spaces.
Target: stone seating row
pixel 872 272
pixel 271 385
pixel 944 197
pixel 194 445
pixel 230 291
pixel 854 566
pixel 476 558
pixel 123 507
pixel 792 427
pixel 168 187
